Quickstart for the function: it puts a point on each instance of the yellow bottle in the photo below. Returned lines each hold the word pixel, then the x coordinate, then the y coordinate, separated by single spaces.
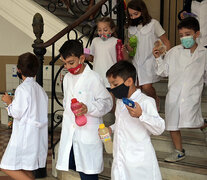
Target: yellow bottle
pixel 106 138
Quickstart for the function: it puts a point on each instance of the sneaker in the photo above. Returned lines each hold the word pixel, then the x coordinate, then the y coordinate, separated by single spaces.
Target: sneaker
pixel 176 156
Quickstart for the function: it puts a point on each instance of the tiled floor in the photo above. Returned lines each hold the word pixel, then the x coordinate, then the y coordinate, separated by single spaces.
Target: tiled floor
pixel 4 138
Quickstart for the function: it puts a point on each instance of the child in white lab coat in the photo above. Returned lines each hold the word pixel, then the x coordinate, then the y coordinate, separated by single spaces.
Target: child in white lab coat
pixel 27 147
pixel 80 146
pixel 185 65
pixel 103 48
pixel 147 31
pixel 133 153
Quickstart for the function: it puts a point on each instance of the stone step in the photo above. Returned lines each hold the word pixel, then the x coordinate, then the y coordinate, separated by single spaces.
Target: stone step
pixel 203 103
pixel 190 168
pixel 161 87
pixel 71 175
pixel 189 130
pixel 193 143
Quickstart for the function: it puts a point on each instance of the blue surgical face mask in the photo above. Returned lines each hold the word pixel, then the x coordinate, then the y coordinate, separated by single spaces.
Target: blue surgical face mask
pixel 187 41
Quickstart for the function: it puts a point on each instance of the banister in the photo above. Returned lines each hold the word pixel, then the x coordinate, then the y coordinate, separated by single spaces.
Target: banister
pixel 70 26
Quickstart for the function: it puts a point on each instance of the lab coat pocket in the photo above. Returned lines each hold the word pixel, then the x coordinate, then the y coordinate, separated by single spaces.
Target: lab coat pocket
pixel 89 134
pixel 135 154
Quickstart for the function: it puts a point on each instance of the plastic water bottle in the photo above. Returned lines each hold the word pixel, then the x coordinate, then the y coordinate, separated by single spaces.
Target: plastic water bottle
pixel 133 44
pixel 119 53
pixel 106 138
pixel 75 106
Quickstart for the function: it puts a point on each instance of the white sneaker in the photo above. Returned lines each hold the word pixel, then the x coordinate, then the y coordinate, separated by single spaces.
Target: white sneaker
pixel 176 156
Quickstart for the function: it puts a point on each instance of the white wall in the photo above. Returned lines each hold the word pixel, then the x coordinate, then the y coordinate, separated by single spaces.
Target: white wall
pixel 13 41
pixel 17 34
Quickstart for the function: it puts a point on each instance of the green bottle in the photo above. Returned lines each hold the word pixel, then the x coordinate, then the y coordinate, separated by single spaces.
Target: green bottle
pixel 133 41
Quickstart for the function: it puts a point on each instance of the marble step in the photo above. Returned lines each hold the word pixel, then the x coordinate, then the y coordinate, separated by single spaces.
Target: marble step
pixel 190 168
pixel 162 114
pixel 161 87
pixel 203 103
pixel 193 142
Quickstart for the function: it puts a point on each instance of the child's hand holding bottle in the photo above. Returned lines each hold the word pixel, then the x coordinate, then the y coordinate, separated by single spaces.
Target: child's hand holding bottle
pixel 79 109
pixel 156 52
pixel 7 98
pixel 133 45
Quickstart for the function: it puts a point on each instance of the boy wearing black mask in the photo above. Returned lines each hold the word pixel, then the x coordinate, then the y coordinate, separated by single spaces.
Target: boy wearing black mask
pixel 133 153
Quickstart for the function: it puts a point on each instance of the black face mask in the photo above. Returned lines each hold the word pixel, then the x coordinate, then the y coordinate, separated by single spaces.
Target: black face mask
pixel 19 75
pixel 137 21
pixel 120 91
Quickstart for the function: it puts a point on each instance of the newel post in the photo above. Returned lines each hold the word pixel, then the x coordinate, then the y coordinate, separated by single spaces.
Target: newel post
pixel 38 29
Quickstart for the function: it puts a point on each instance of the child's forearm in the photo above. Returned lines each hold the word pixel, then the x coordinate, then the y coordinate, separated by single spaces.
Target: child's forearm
pixel 165 41
pixel 90 58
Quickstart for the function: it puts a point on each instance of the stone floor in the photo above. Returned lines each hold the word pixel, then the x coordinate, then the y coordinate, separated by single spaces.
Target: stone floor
pixel 4 138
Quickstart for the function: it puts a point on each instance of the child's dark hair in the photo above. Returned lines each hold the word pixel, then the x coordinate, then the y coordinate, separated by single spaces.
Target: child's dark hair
pixel 189 23
pixel 28 64
pixel 123 69
pixel 71 48
pixel 110 22
pixel 139 5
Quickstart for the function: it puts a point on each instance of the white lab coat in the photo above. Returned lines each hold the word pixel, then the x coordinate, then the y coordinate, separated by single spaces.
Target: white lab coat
pixel 133 153
pixel 104 53
pixel 200 9
pixel 186 74
pixel 28 145
pixel 88 148
pixel 143 59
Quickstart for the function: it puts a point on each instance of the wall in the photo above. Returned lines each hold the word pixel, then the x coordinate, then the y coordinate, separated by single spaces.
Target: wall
pixel 171 10
pixel 11 60
pixel 153 7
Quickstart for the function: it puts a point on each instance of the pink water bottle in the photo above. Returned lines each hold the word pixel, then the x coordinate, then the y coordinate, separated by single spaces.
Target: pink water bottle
pixel 119 53
pixel 75 106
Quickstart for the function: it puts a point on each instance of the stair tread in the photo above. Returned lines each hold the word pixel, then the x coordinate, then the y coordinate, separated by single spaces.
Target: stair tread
pixel 187 138
pixel 189 164
pixel 204 114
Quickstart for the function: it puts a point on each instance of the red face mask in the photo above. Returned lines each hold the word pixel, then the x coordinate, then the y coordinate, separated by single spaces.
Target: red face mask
pixel 76 69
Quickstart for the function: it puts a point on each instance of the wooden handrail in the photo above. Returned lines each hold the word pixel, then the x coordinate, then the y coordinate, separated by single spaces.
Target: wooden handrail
pixel 71 26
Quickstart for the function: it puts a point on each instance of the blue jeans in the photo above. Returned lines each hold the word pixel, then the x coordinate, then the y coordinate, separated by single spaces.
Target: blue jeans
pixel 73 167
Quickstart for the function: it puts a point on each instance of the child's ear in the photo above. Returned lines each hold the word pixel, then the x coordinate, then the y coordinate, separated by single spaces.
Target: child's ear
pixel 112 30
pixel 129 82
pixel 197 34
pixel 82 59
